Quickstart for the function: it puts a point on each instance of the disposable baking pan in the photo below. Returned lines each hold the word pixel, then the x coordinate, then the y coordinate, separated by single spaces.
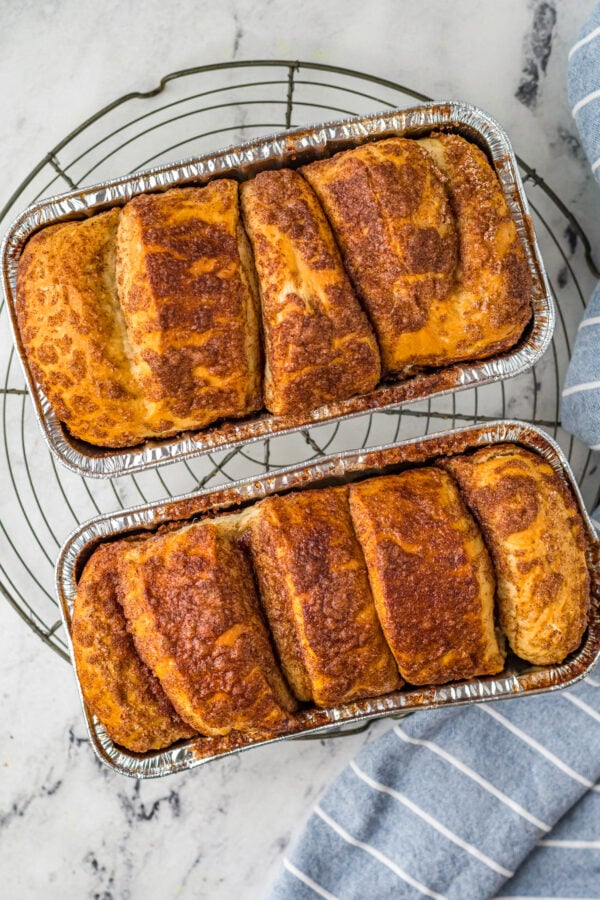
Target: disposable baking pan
pixel 242 162
pixel 518 677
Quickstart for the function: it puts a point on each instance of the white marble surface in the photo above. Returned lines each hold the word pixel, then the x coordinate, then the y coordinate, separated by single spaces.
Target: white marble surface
pixel 68 827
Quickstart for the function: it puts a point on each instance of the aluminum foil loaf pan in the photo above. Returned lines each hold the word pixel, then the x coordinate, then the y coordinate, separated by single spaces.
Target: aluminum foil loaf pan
pixel 288 150
pixel 518 678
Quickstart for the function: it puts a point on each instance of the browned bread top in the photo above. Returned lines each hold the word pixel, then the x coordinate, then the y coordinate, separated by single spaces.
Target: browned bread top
pixel 431 247
pixel 191 606
pixel 143 322
pixel 390 213
pixel 188 306
pixel 74 334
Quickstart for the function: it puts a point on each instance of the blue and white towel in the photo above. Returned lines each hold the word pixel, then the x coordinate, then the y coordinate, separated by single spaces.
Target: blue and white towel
pixel 499 800
pixel 496 800
pixel 580 413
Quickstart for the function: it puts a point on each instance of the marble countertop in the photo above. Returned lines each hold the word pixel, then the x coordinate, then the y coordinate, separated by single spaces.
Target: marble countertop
pixel 68 826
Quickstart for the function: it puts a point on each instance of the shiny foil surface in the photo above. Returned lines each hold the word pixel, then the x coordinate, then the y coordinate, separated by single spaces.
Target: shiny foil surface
pixel 518 677
pixel 290 149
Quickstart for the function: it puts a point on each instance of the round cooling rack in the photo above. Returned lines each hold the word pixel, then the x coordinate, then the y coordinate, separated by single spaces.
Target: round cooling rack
pixel 193 112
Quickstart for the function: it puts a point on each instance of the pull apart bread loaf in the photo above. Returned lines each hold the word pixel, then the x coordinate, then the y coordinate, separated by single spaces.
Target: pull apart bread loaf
pixel 319 346
pixel 429 242
pixel 533 529
pixel 356 582
pixel 143 322
pixel 431 576
pixel 315 591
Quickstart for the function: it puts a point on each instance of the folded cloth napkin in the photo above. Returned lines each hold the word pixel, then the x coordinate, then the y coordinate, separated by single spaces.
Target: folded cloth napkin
pixel 499 799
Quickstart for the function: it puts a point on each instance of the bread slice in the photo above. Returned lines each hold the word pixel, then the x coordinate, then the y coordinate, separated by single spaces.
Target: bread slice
pixel 535 535
pixel 431 576
pixel 430 244
pixel 191 606
pixel 74 333
pixel 315 590
pixel 319 345
pixel 187 291
pixel 118 688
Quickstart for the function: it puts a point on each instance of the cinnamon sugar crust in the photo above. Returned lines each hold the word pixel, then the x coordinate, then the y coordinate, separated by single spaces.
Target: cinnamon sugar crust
pixel 189 306
pixel 191 605
pixel 143 322
pixel 72 330
pixel 428 239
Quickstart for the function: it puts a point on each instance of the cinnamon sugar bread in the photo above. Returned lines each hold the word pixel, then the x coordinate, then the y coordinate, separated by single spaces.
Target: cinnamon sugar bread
pixel 535 535
pixel 349 578
pixel 186 285
pixel 319 345
pixel 144 322
pixel 315 590
pixel 73 332
pixel 389 209
pixel 430 574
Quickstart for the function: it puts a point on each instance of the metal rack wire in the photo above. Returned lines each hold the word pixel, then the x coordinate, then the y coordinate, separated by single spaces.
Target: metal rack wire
pixel 191 112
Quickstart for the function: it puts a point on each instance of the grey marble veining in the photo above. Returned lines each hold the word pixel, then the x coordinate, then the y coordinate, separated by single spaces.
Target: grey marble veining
pixel 69 828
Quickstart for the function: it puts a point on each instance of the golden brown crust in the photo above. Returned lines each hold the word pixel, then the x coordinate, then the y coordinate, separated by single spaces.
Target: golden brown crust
pixel 535 534
pixel 430 244
pixel 73 333
pixel 315 590
pixel 191 605
pixel 188 305
pixel 319 345
pixel 431 576
pixel 119 689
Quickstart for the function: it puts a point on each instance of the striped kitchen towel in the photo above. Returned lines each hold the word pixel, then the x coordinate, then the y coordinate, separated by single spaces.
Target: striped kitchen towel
pixel 580 407
pixel 580 411
pixel 498 800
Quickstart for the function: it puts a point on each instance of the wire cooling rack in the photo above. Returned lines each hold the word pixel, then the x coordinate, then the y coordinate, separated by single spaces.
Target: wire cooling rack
pixel 192 112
